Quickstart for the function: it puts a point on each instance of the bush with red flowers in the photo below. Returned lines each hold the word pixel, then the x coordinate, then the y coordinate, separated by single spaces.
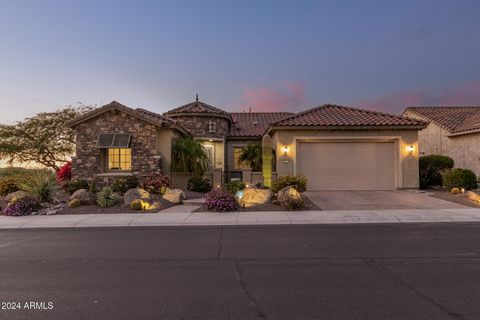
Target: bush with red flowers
pixel 64 174
pixel 220 200
pixel 157 183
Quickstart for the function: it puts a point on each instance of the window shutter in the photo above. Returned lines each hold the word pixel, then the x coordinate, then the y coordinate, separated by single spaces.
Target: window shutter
pixel 121 140
pixel 105 140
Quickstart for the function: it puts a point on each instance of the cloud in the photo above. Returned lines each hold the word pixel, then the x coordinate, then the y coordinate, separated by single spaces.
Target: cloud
pixel 287 96
pixel 396 102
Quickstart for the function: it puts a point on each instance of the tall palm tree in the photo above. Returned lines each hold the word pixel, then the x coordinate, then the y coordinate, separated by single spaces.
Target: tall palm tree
pixel 252 156
pixel 188 156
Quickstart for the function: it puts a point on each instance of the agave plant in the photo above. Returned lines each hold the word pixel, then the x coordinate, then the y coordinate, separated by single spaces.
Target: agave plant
pixel 41 184
pixel 106 197
pixel 189 156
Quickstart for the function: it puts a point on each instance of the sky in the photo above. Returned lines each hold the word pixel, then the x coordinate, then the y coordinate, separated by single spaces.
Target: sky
pixel 264 55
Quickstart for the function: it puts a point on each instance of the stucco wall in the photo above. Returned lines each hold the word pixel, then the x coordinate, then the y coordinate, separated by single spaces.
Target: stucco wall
pixel 165 140
pixel 407 166
pixel 464 149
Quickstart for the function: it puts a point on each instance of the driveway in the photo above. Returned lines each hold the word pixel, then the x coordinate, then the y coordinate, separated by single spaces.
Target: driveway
pixel 378 200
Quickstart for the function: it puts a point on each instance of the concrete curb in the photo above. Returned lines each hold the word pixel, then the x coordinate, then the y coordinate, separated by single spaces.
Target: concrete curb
pixel 187 218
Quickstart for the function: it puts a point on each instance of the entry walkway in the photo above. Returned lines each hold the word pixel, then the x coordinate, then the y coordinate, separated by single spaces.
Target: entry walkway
pixel 187 218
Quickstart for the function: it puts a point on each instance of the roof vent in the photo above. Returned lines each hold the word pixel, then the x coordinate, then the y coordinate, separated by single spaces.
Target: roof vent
pixel 254 122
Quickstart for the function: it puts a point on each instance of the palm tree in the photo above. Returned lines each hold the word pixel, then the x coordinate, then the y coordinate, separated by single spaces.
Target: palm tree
pixel 188 156
pixel 252 156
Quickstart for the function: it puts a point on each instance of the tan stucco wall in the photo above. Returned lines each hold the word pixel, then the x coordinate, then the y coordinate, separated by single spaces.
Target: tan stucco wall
pixel 165 137
pixel 407 165
pixel 464 149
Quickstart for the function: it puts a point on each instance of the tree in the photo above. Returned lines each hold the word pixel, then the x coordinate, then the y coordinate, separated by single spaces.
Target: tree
pixel 189 156
pixel 252 156
pixel 44 138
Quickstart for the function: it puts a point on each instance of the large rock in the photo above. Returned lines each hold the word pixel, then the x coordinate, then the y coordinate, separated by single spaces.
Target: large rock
pixel 136 194
pixel 174 195
pixel 17 195
pixel 252 197
pixel 290 198
pixel 84 196
pixel 475 197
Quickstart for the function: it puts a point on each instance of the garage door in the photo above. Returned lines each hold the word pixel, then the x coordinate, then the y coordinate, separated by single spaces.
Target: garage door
pixel 347 165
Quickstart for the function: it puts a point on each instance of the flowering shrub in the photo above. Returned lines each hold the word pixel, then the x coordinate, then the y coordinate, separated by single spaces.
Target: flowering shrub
pixel 158 183
pixel 290 199
pixel 21 207
pixel 64 174
pixel 220 200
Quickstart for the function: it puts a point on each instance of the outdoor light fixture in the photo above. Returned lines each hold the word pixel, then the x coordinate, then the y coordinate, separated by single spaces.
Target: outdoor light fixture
pixel 285 151
pixel 410 149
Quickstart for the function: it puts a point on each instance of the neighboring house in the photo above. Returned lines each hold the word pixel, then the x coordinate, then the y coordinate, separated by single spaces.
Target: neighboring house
pixel 336 147
pixel 452 131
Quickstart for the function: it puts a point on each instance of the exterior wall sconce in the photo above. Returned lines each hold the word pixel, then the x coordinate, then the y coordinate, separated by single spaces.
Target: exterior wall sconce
pixel 285 151
pixel 410 149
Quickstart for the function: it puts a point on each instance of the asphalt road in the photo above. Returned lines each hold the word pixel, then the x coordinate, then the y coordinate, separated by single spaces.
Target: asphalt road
pixel 400 271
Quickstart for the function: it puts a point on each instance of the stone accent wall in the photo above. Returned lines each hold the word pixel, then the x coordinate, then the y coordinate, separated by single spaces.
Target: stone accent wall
pixel 88 161
pixel 198 125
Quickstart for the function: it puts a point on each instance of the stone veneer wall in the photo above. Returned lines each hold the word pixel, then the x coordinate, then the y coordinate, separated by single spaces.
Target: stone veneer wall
pixel 87 163
pixel 198 125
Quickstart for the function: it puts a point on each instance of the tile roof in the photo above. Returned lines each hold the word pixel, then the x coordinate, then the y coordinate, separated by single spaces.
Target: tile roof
pixel 453 119
pixel 254 124
pixel 196 107
pixel 329 115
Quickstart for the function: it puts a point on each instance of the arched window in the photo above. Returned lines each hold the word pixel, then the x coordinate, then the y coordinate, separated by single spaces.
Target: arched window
pixel 212 126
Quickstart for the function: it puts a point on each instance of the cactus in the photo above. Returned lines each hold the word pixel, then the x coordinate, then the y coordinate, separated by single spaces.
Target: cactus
pixel 267 161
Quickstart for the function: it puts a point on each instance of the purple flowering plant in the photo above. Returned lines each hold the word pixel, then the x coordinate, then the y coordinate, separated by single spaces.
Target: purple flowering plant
pixel 220 200
pixel 21 207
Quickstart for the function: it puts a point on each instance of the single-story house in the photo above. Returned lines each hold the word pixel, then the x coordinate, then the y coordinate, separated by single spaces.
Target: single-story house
pixel 335 147
pixel 452 131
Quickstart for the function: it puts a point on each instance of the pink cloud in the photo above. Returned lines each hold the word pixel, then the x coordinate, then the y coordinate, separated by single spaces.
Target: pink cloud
pixel 466 94
pixel 286 96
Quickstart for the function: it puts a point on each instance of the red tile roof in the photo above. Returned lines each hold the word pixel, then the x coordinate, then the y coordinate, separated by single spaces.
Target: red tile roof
pixel 254 124
pixel 196 107
pixel 329 115
pixel 453 119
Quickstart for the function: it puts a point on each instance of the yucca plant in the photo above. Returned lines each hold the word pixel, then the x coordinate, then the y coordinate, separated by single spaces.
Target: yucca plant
pixel 106 198
pixel 40 184
pixel 189 156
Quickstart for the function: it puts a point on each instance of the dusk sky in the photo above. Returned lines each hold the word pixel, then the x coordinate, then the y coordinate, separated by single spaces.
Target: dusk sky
pixel 264 55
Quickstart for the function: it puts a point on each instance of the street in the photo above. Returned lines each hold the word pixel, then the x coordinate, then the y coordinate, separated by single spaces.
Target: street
pixel 381 271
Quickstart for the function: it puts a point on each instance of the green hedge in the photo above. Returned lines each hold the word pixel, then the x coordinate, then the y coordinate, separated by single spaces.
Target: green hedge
pixel 431 168
pixel 460 178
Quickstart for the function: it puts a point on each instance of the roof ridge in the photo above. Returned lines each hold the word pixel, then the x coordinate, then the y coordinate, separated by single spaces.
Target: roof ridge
pixel 194 103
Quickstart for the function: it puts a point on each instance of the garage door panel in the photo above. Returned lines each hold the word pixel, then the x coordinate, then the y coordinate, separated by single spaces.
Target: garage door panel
pixel 348 165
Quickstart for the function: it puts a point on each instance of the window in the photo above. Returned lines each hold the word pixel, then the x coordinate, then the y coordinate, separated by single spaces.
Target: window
pixel 120 159
pixel 237 165
pixel 212 126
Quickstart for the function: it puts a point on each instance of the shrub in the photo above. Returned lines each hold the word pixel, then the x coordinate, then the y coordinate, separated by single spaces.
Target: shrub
pixel 459 178
pixel 157 183
pixel 290 199
pixel 64 174
pixel 106 198
pixel 298 182
pixel 122 185
pixel 431 168
pixel 74 185
pixel 41 184
pixel 199 184
pixel 220 200
pixel 9 184
pixel 234 186
pixel 22 206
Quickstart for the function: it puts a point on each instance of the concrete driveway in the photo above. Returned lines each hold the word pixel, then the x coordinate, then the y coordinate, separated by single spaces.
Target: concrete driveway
pixel 378 200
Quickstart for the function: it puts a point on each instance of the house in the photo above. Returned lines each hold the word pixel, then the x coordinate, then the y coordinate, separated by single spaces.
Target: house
pixel 336 147
pixel 452 131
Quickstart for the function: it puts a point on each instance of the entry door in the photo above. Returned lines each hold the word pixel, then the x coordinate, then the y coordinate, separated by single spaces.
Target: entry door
pixel 347 165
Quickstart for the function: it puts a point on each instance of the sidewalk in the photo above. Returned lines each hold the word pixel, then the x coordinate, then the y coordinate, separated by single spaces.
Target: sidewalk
pixel 178 217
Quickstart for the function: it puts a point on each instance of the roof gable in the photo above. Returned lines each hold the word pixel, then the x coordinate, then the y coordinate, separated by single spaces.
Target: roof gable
pixel 197 107
pixel 330 115
pixel 453 119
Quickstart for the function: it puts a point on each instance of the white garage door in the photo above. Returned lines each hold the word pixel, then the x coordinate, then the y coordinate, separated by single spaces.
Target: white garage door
pixel 347 165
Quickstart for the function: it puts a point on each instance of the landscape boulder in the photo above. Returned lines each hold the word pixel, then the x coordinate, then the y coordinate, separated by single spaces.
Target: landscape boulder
pixel 74 203
pixel 174 195
pixel 475 197
pixel 17 195
pixel 252 197
pixel 84 196
pixel 290 198
pixel 136 194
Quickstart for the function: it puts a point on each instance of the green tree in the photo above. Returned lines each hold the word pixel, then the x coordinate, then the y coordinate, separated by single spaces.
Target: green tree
pixel 252 156
pixel 188 156
pixel 43 139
